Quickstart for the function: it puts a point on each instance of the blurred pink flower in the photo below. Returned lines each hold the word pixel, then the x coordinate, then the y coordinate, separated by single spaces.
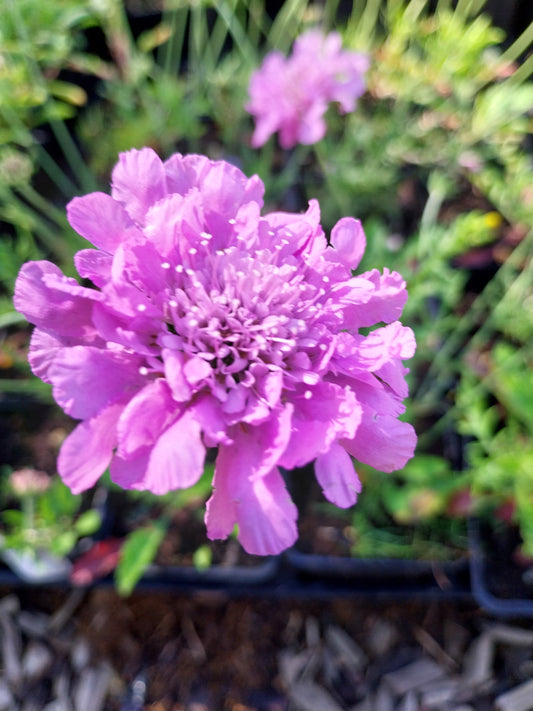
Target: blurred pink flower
pixel 29 482
pixel 292 95
pixel 210 325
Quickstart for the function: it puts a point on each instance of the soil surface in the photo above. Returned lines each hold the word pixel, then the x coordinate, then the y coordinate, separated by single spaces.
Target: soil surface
pixel 208 652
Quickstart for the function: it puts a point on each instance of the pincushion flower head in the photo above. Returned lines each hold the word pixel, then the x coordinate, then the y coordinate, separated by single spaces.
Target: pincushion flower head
pixel 291 95
pixel 208 325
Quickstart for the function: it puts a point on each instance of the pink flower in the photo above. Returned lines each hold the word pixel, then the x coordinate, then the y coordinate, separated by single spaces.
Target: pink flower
pixel 292 95
pixel 211 326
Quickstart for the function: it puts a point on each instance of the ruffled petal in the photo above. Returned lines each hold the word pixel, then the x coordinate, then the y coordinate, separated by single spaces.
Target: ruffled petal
pixel 382 442
pixel 138 181
pixel 94 265
pixel 239 467
pixel 54 302
pixel 349 242
pixel 87 451
pixel 174 361
pixel 44 347
pixel 221 508
pixel 267 516
pixel 386 302
pixel 87 379
pixel 336 475
pixel 175 461
pixel 322 414
pixel 100 219
pixel 177 458
pixel 145 417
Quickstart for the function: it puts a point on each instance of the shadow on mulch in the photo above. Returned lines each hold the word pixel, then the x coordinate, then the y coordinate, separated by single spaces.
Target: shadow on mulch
pixel 208 651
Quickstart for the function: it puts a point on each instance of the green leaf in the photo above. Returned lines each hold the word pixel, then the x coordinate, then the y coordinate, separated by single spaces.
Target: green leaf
pixel 138 552
pixel 13 518
pixel 87 523
pixel 202 557
pixel 63 543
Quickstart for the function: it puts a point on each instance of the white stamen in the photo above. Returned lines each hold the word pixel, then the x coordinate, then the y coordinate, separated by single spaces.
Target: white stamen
pixel 193 250
pixel 206 235
pixel 232 221
pixel 165 265
pixel 143 370
pixel 141 307
pixel 308 394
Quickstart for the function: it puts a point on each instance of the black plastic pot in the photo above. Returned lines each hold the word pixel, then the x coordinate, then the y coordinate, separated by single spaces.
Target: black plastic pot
pixel 498 585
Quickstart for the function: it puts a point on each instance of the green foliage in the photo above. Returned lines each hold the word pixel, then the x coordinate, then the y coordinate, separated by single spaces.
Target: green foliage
pixel 48 521
pixel 410 514
pixel 137 553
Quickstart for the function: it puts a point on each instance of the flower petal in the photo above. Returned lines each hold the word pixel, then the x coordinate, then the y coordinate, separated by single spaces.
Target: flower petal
pixel 138 181
pixel 267 516
pixel 100 219
pixel 336 475
pixel 349 241
pixel 382 442
pixel 87 451
pixel 86 379
pixel 54 302
pixel 174 362
pixel 145 417
pixel 177 458
pixel 328 413
pixel 94 265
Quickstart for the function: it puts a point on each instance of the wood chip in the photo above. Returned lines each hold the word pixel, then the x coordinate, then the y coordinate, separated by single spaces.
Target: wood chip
pixel 11 648
pixel 36 661
pixel 91 688
pixel 348 652
pixel 439 693
pixel 455 639
pixel 80 654
pixel 309 696
pixel 381 637
pixel 409 702
pixel 7 702
pixel 193 640
pixel 477 667
pixel 518 699
pixel 33 624
pixel 430 645
pixel 413 676
pixel 383 700
pixel 60 618
pixel 514 636
pixel 291 666
pixel 312 632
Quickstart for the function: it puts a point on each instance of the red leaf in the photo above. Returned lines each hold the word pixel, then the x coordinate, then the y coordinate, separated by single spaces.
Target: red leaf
pixel 97 562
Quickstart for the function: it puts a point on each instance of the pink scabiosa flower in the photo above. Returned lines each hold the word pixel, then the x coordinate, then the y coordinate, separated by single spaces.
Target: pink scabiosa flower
pixel 211 326
pixel 291 95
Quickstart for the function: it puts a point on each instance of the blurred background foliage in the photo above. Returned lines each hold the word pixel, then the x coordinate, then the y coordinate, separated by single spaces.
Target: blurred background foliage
pixel 436 162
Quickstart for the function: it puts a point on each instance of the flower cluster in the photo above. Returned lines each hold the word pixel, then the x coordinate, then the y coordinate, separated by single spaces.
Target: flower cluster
pixel 211 326
pixel 291 95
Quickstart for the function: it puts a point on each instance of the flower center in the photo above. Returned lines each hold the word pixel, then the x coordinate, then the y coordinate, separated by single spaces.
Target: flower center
pixel 245 309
